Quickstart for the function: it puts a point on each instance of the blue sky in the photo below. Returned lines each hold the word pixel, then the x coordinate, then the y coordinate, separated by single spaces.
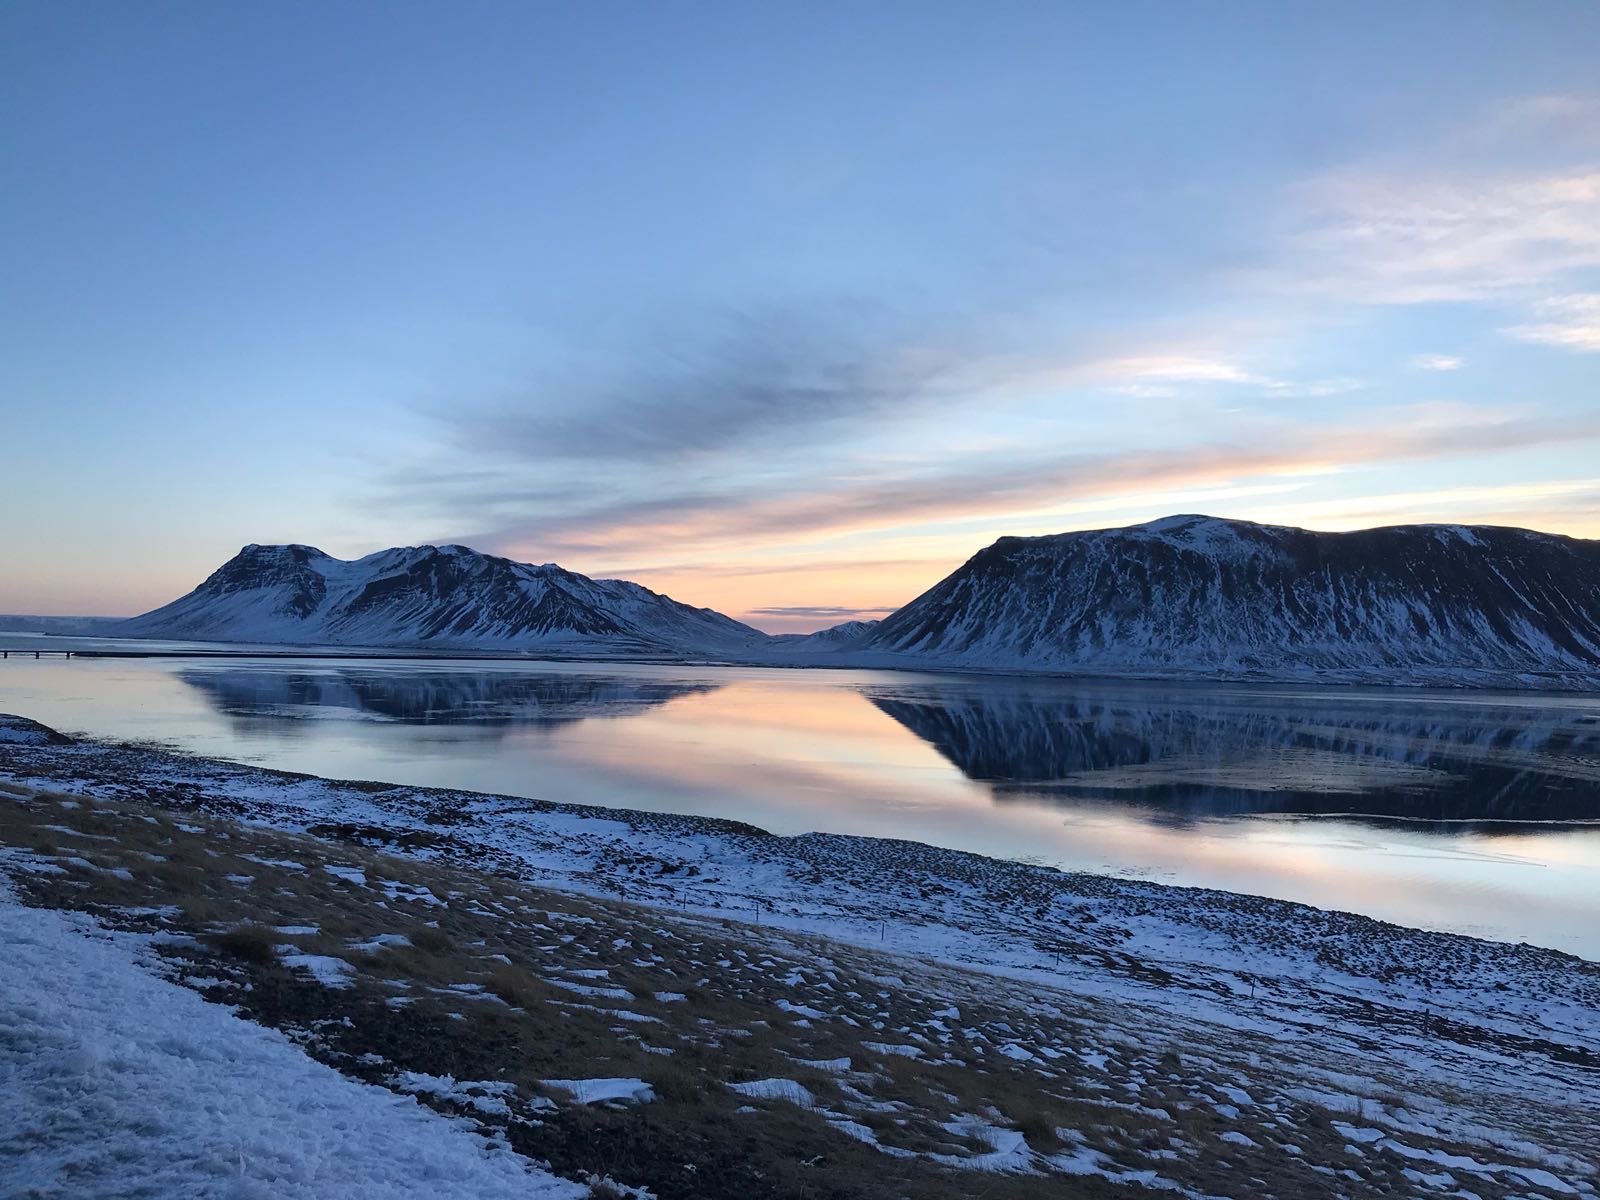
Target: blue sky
pixel 776 307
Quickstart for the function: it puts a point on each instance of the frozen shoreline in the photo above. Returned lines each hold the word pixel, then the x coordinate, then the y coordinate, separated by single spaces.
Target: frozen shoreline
pixel 1095 932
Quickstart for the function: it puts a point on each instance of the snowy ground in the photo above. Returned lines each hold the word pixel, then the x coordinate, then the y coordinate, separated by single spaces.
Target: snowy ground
pixel 920 1005
pixel 117 1083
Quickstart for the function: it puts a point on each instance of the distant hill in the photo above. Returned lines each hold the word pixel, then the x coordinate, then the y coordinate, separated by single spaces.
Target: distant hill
pixel 1202 596
pixel 835 637
pixel 441 596
pixel 60 626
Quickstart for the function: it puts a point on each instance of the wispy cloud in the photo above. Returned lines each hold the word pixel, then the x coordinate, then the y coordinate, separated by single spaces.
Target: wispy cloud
pixel 747 513
pixel 1177 367
pixel 1510 503
pixel 727 381
pixel 1504 207
pixel 1149 374
pixel 773 384
pixel 1398 237
pixel 1571 322
pixel 823 611
pixel 1437 362
pixel 794 425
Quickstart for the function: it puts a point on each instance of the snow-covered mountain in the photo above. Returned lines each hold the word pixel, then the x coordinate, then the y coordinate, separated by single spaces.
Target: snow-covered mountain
pixel 1194 595
pixel 1185 596
pixel 847 634
pixel 434 596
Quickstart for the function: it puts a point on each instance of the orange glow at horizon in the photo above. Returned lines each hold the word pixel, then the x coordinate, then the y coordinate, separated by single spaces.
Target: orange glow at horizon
pixel 863 574
pixel 869 583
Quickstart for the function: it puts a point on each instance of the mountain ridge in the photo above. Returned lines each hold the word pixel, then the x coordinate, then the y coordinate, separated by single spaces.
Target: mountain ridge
pixel 1184 596
pixel 448 596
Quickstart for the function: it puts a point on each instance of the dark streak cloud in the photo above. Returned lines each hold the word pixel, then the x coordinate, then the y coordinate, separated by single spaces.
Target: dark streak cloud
pixel 821 610
pixel 663 397
pixel 975 486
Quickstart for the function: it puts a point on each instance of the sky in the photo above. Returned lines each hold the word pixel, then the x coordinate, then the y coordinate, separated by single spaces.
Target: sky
pixel 782 309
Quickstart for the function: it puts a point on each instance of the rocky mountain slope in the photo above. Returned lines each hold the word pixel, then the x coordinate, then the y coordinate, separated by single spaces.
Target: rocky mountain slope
pixel 1194 595
pixel 435 596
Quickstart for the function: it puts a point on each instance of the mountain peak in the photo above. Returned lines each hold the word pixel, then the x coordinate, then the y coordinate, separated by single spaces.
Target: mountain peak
pixel 292 550
pixel 450 550
pixel 1181 521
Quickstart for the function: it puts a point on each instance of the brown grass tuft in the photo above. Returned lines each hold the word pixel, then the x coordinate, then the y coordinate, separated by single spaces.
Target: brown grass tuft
pixel 430 940
pixel 1038 1129
pixel 250 943
pixel 518 988
pixel 677 1084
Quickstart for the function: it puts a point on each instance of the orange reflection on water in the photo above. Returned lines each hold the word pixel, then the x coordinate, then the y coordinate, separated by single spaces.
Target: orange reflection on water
pixel 798 751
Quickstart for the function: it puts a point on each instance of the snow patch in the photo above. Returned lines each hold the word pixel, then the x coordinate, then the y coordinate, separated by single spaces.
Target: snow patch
pixel 114 1076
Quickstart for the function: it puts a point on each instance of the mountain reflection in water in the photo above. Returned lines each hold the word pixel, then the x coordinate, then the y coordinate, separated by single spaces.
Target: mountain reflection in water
pixel 1175 752
pixel 1222 753
pixel 1267 790
pixel 411 696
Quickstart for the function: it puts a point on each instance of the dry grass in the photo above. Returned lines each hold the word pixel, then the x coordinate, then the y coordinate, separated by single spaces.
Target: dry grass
pixel 1038 1126
pixel 248 943
pixel 431 940
pixel 518 988
pixel 678 1083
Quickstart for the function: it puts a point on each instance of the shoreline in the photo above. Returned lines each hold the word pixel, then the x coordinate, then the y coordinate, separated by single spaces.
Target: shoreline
pixel 170 759
pixel 1374 1016
pixel 258 784
pixel 1450 681
pixel 1018 770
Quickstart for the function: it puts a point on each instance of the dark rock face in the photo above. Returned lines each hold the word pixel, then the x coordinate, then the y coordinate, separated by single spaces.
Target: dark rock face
pixel 288 570
pixel 432 595
pixel 1203 595
pixel 450 594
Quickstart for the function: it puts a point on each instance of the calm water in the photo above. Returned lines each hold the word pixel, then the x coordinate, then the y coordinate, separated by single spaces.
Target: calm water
pixel 1473 812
